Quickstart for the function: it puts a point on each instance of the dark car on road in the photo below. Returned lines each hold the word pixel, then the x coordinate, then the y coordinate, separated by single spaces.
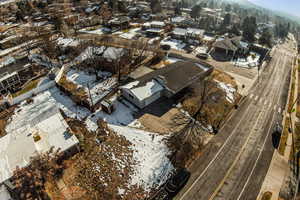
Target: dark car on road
pixel 176 183
pixel 203 56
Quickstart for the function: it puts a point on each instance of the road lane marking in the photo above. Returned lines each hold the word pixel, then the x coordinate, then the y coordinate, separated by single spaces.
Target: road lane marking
pixel 279 110
pixel 251 95
pixel 256 161
pixel 261 114
pixel 215 157
pixel 261 150
pixel 256 97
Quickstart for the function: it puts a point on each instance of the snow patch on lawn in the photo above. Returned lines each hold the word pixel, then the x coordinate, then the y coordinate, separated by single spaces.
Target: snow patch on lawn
pixel 123 115
pixel 98 89
pixel 151 155
pixel 250 61
pixel 230 91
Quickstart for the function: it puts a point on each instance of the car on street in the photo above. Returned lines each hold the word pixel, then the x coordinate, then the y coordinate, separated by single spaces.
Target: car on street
pixel 176 182
pixel 203 56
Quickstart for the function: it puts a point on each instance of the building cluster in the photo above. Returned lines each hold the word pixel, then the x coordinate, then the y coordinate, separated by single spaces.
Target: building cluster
pixel 35 56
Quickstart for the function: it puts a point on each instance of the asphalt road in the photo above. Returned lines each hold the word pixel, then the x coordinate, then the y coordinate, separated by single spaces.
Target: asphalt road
pixel 235 162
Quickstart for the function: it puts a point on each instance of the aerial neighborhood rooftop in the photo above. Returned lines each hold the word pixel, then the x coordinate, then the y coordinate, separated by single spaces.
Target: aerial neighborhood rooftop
pixel 114 99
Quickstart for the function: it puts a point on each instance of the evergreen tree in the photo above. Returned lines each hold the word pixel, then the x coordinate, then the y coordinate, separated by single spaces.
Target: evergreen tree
pixel 155 6
pixel 266 38
pixel 227 20
pixel 249 29
pixel 196 11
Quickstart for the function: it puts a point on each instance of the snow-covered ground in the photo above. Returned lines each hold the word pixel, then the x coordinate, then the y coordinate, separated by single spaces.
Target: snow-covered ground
pixel 228 89
pixel 123 115
pixel 153 166
pixel 98 89
pixel 174 44
pixel 250 61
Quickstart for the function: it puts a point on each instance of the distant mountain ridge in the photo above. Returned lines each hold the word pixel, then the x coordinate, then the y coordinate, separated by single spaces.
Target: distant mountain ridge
pixel 249 4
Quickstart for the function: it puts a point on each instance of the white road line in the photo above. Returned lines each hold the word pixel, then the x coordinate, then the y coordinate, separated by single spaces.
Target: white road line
pixel 256 161
pixel 266 103
pixel 279 110
pixel 261 150
pixel 275 107
pixel 256 97
pixel 213 160
pixel 251 95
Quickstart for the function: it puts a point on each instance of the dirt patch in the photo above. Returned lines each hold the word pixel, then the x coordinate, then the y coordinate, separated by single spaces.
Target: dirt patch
pixel 159 124
pixel 103 167
pixel 209 103
pixel 4 119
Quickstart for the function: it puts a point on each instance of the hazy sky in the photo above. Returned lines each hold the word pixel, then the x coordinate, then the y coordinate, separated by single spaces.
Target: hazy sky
pixel 288 6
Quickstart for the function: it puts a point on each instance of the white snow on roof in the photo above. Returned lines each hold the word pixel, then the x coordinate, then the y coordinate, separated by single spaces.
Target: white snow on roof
pixel 208 38
pixel 110 53
pixel 17 147
pixel 155 30
pixel 151 153
pixel 54 133
pixel 178 19
pixel 144 91
pixel 195 31
pixel 7 61
pixel 44 103
pixel 175 44
pixel 67 42
pixel 180 31
pixel 157 23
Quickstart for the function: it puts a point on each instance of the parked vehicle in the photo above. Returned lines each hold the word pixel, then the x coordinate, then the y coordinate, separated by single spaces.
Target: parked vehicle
pixel 203 56
pixel 176 183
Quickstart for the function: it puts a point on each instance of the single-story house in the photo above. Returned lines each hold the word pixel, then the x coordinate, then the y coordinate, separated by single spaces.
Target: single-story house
pixel 167 81
pixel 119 23
pixel 231 46
pixel 102 56
pixel 154 28
pixel 187 34
pixel 12 70
pixel 41 134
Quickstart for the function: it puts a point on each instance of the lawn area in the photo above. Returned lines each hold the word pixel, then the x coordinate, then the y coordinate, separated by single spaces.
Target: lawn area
pixel 31 85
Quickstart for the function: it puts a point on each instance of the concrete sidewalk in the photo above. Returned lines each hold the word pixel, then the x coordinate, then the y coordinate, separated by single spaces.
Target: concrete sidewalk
pixel 279 167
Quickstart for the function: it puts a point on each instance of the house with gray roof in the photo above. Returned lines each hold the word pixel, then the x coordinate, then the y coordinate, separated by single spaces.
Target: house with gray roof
pixel 167 81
